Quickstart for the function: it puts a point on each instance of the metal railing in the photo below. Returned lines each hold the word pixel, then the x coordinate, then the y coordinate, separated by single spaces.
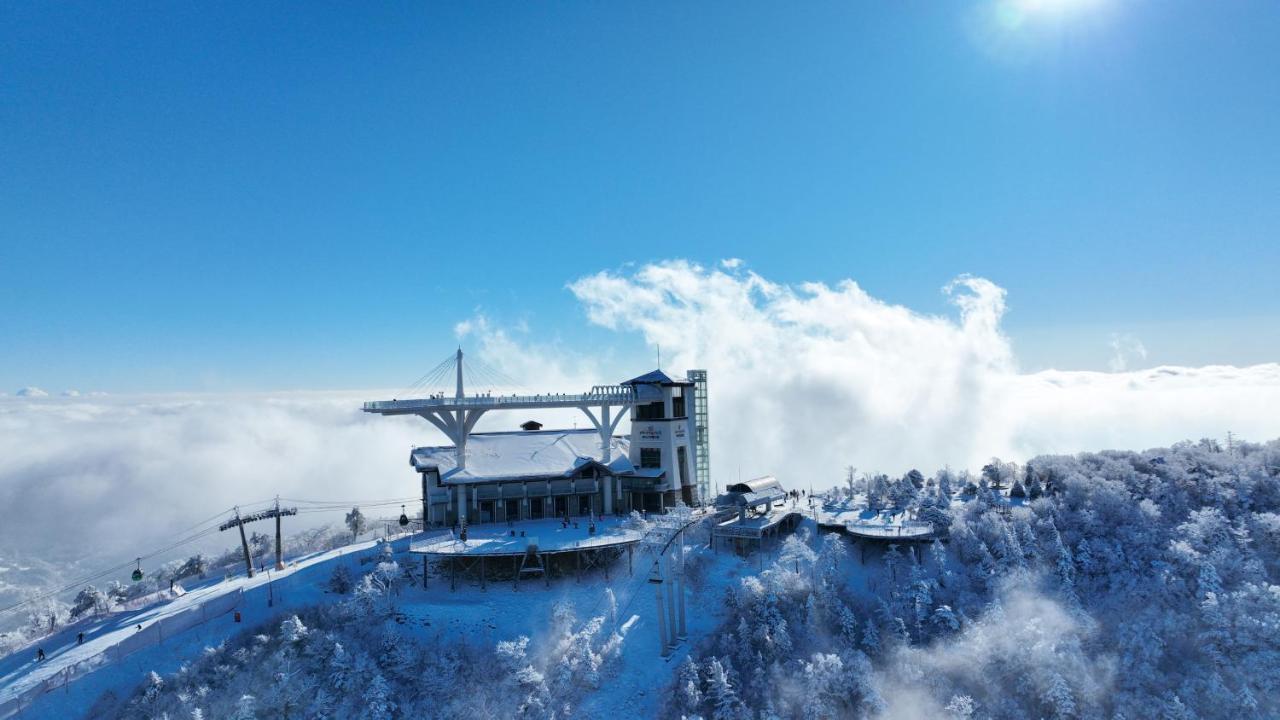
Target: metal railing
pixel 612 394
pixel 906 528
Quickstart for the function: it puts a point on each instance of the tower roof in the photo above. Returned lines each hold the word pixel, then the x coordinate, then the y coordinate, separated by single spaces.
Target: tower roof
pixel 655 377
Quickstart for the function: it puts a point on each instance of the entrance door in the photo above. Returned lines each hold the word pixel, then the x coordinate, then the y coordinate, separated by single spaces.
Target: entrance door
pixel 562 506
pixel 653 502
pixel 513 510
pixel 537 508
pixel 486 511
pixel 584 504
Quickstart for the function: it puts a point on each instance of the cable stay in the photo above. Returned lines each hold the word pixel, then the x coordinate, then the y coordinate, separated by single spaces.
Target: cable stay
pixel 441 379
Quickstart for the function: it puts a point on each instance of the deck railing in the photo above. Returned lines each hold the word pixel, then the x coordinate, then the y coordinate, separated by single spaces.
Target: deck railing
pixel 612 394
pixel 906 528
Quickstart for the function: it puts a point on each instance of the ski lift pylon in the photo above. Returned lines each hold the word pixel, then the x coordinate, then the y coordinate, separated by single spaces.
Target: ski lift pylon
pixel 137 571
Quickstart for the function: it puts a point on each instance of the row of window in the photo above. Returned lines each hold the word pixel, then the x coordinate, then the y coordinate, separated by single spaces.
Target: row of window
pixel 656 410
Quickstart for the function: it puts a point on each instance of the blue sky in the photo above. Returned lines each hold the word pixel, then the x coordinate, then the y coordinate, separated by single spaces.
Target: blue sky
pixel 270 196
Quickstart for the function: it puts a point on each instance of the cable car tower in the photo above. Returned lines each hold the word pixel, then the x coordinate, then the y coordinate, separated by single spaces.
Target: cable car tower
pixel 239 521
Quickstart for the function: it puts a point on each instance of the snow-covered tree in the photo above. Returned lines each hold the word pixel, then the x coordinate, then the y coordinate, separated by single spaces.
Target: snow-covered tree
pixel 90 601
pixel 721 694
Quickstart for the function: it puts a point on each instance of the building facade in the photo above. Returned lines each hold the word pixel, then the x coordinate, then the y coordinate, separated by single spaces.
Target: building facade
pixel 535 473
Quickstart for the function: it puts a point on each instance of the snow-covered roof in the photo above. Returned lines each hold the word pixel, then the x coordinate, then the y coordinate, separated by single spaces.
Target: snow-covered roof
pixel 523 455
pixel 760 491
pixel 767 482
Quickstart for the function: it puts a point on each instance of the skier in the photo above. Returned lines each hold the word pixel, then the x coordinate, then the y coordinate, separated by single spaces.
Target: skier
pixel 39 654
pixel 80 639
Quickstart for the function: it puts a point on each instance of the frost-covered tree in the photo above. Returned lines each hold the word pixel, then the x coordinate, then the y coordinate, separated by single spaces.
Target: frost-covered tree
pixel 689 687
pixel 721 694
pixel 378 704
pixel 878 492
pixel 194 566
pixel 90 601
pixel 259 546
pixel 340 580
pixel 356 523
pixel 246 708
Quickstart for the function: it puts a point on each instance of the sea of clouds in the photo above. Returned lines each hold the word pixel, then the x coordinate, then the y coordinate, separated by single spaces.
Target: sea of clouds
pixel 805 380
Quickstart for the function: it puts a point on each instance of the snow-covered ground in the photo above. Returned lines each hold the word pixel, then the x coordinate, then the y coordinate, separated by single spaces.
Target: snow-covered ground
pixel 119 646
pixel 549 535
pixel 74 676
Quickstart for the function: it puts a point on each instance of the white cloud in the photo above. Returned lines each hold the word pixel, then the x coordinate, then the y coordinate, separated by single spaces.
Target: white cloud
pixel 1125 350
pixel 809 378
pixel 31 392
pixel 117 476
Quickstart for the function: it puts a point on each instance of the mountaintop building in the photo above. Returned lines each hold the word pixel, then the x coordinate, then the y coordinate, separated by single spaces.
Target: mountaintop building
pixel 534 473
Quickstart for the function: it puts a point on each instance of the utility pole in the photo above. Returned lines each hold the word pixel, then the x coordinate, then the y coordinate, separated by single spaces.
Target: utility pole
pixel 279 542
pixel 680 630
pixel 655 578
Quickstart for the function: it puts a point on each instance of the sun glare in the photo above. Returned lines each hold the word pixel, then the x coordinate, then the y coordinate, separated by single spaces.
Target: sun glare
pixel 1018 12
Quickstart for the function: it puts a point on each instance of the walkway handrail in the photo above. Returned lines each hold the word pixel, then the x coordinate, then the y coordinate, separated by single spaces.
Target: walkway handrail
pixel 598 394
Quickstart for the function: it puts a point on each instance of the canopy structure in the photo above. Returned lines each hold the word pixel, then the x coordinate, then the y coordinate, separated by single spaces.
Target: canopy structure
pixel 764 490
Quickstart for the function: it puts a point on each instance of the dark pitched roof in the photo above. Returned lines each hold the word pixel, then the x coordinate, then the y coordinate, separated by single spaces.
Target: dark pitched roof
pixel 655 377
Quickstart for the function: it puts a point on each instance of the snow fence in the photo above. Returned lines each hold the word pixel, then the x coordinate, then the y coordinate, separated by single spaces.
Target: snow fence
pixel 165 626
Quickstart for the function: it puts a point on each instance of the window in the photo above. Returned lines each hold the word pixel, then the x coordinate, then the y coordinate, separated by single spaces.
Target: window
pixel 650 457
pixel 677 406
pixel 649 411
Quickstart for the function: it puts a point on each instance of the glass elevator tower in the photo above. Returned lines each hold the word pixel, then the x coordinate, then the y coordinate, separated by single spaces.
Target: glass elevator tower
pixel 702 435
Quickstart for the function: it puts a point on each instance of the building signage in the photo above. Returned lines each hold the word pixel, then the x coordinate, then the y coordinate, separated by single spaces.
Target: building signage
pixel 680 431
pixel 650 432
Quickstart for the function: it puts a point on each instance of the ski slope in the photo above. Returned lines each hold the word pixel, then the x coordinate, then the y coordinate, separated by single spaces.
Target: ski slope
pixel 119 643
pixel 116 655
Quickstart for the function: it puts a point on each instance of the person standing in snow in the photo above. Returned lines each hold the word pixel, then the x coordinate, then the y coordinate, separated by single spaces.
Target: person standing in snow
pixel 39 654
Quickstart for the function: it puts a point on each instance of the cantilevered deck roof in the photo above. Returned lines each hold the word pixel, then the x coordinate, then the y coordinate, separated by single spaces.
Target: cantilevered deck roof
pixel 523 455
